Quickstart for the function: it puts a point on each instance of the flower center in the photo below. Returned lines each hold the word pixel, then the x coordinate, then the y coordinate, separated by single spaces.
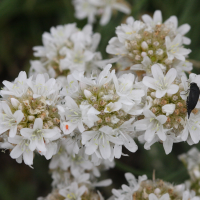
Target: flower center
pixel 37 134
pixel 161 83
pixel 71 196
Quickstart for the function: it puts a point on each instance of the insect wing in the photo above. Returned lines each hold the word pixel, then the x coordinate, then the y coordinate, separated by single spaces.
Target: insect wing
pixel 193 97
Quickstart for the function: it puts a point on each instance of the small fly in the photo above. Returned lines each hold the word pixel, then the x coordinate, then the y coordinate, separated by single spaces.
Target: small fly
pixel 192 98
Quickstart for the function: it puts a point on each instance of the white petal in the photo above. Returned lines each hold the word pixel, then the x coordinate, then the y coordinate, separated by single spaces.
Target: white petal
pixel 16 152
pixel 38 124
pixel 171 75
pixel 105 150
pixel 157 17
pixel 153 197
pixel 183 29
pixel 28 157
pixel 157 72
pixel 167 144
pixel 173 89
pixel 165 197
pixel 13 131
pixel 162 119
pixel 68 127
pixel 106 16
pixel 147 19
pixel 117 151
pixel 149 82
pixel 160 93
pixel 91 147
pixel 18 116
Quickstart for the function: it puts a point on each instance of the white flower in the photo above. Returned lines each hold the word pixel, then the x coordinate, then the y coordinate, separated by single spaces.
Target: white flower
pixel 162 84
pixel 70 87
pixel 37 135
pixel 111 107
pixel 125 89
pixel 76 58
pixel 182 30
pixel 156 20
pixel 112 5
pixel 8 120
pixel 152 196
pixel 123 133
pixel 168 108
pixel 129 31
pixel 192 127
pixel 153 125
pixel 127 191
pixel 37 67
pixel 104 77
pixel 189 196
pixel 145 65
pixel 54 40
pixel 73 192
pixel 167 144
pixel 85 9
pixel 76 116
pixel 100 139
pixel 182 67
pixel 175 49
pixel 21 149
pixel 18 87
pixel 41 87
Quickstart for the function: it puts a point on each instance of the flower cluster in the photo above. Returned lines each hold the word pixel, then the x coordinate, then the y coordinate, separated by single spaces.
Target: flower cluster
pixel 74 175
pixel 141 44
pixel 151 190
pixel 90 8
pixel 166 119
pixel 102 109
pixel 191 160
pixel 66 49
pixel 29 119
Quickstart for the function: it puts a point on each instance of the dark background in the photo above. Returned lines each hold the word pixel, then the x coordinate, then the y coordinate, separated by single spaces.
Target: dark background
pixel 22 23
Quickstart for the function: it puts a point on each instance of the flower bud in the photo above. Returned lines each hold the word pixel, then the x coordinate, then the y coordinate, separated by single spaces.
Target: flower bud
pixel 144 45
pixel 87 94
pixel 143 54
pixel 168 109
pixel 31 118
pixel 15 103
pixel 150 52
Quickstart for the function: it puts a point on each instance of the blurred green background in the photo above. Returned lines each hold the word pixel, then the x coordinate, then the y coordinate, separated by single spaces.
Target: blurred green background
pixel 22 23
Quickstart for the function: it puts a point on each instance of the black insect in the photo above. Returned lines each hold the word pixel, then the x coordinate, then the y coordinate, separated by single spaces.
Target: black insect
pixel 192 98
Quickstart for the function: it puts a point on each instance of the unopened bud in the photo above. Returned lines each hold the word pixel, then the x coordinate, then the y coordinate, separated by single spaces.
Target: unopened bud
pixel 137 57
pixel 168 109
pixel 156 43
pixel 144 45
pixel 159 52
pixel 87 94
pixel 143 54
pixel 31 118
pixel 15 103
pixel 150 52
